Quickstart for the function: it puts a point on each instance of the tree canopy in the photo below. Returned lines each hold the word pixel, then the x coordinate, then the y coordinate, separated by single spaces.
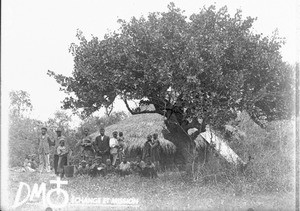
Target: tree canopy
pixel 20 103
pixel 208 66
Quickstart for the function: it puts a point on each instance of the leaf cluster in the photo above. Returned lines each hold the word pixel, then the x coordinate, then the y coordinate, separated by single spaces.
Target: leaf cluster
pixel 208 66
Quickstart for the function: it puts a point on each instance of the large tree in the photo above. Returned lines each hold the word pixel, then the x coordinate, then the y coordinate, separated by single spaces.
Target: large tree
pixel 195 71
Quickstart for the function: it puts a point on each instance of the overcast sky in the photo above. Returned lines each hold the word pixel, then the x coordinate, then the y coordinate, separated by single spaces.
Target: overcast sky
pixel 36 35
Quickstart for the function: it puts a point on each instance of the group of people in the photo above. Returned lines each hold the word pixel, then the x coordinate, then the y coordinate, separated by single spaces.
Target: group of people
pixel 102 156
pixel 103 146
pixel 98 167
pixel 60 154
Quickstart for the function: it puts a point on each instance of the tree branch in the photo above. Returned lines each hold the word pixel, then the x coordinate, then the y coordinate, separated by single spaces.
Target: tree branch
pixel 139 112
pixel 127 106
pixel 109 109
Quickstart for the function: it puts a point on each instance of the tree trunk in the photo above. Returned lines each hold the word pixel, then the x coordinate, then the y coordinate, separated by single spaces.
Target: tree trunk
pixel 184 146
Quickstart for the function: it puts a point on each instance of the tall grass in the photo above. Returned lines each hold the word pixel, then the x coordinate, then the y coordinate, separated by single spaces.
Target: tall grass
pixel 271 168
pixel 169 192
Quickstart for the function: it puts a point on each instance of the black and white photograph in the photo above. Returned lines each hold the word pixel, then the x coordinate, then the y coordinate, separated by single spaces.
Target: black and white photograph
pixel 150 105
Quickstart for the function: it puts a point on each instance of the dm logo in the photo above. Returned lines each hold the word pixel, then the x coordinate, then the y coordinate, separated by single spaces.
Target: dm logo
pixel 37 192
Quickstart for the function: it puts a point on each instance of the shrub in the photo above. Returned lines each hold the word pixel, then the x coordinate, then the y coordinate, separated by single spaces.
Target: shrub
pixel 22 139
pixel 272 166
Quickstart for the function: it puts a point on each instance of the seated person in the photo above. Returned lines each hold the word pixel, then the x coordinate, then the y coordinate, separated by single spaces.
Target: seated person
pixel 83 168
pixel 110 169
pixel 124 167
pixel 34 164
pixel 138 165
pixel 97 168
pixel 27 164
pixel 149 170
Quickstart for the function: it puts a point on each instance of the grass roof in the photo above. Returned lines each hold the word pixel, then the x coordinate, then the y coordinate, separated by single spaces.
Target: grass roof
pixel 136 128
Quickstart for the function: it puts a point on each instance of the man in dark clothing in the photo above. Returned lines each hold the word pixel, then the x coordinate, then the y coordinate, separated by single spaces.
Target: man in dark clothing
pixel 101 145
pixel 147 151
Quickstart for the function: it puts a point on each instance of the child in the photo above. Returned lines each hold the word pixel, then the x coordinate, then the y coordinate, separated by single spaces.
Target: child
pixel 109 168
pixel 82 169
pixel 149 170
pixel 62 154
pixel 139 165
pixel 124 167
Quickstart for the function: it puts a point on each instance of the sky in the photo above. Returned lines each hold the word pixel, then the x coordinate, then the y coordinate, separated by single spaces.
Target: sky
pixel 36 35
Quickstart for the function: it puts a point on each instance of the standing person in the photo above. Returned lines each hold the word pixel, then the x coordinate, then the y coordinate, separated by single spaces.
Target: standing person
pixel 155 151
pixel 57 143
pixel 44 143
pixel 113 144
pixel 62 153
pixel 87 150
pixel 121 149
pixel 101 145
pixel 147 150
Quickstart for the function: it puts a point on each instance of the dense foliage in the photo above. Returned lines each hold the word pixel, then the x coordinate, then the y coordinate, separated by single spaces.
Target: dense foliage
pixel 208 66
pixel 22 129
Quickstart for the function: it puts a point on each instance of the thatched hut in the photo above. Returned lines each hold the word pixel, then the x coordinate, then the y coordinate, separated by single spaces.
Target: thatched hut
pixel 135 130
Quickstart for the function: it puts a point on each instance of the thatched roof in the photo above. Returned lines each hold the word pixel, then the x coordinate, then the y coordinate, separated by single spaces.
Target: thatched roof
pixel 137 127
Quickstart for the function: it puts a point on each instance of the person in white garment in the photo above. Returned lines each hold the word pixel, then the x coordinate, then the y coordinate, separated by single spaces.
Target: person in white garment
pixel 113 144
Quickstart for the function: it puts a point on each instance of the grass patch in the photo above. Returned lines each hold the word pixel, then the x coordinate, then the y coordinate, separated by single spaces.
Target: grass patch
pixel 169 192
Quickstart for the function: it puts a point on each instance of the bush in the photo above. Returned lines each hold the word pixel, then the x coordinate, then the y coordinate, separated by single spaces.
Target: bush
pixel 22 139
pixel 272 166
